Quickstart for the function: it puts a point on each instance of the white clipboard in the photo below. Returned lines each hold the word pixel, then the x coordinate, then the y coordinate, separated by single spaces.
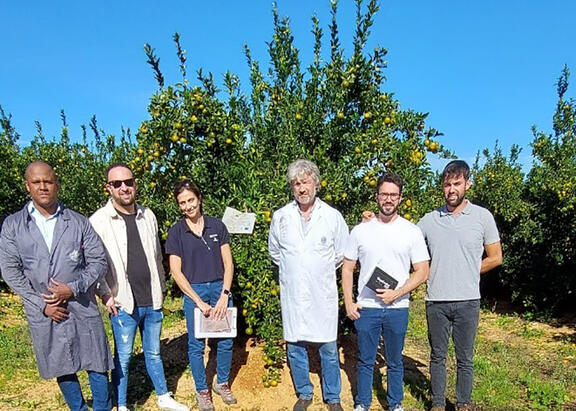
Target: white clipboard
pixel 204 327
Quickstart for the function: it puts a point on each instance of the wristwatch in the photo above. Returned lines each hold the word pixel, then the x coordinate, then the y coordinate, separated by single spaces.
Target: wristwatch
pixel 227 292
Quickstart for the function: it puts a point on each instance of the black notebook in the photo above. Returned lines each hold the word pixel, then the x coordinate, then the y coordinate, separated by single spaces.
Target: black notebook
pixel 381 279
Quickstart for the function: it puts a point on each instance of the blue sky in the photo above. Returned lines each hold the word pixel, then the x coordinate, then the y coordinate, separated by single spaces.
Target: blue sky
pixel 483 70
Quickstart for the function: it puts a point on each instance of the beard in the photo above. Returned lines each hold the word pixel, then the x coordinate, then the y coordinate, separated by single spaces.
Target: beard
pixel 455 202
pixel 305 199
pixel 124 201
pixel 388 212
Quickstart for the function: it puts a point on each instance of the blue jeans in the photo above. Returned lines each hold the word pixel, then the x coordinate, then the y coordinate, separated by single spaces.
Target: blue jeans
pixel 391 324
pixel 72 393
pixel 124 327
pixel 209 293
pixel 298 359
pixel 460 317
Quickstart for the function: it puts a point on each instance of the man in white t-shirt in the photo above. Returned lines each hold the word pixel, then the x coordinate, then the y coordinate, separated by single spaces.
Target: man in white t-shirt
pixel 394 245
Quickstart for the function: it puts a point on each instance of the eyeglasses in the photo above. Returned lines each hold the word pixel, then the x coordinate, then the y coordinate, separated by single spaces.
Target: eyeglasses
pixel 118 183
pixel 392 196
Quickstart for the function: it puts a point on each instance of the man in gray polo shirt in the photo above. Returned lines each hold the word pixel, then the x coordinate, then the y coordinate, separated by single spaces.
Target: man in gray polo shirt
pixel 458 234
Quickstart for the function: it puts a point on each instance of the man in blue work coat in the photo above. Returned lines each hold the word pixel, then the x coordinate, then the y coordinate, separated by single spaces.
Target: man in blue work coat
pixel 51 257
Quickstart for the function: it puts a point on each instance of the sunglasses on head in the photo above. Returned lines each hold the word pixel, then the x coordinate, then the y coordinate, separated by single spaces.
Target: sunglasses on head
pixel 118 183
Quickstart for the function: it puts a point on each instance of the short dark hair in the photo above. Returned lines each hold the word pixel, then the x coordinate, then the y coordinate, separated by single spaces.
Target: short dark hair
pixel 116 165
pixel 390 178
pixel 456 168
pixel 189 185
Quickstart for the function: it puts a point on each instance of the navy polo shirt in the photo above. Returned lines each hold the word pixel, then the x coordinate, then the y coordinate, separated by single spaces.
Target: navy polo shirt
pixel 201 255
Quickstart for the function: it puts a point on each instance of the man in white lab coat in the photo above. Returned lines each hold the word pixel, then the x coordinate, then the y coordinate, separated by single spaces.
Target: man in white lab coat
pixel 306 241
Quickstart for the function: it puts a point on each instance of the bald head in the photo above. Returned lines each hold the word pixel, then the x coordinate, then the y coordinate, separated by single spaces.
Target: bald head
pixel 43 187
pixel 42 166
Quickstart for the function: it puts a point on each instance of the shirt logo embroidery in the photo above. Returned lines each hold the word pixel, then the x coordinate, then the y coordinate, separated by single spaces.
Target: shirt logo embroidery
pixel 214 237
pixel 74 255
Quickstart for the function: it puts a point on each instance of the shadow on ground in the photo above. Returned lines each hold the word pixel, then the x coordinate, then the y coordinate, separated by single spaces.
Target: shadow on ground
pixel 175 359
pixel 416 382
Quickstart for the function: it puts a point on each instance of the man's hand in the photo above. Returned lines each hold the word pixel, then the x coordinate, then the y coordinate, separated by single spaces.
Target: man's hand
pixel 61 293
pixel 110 303
pixel 367 216
pixel 205 308
pixel 353 311
pixel 56 312
pixel 220 308
pixel 388 296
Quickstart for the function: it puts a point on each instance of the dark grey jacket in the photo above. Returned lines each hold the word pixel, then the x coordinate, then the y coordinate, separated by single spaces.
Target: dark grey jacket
pixel 78 259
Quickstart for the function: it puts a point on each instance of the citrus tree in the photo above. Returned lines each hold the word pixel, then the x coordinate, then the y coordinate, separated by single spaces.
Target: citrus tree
pixel 237 144
pixel 12 193
pixel 79 166
pixel 535 212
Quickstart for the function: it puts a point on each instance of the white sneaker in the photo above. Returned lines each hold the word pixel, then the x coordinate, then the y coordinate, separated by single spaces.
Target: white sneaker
pixel 166 402
pixel 398 408
pixel 123 408
pixel 360 407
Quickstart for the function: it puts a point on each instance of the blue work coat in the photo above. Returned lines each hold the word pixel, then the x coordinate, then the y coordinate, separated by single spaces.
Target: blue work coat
pixel 77 258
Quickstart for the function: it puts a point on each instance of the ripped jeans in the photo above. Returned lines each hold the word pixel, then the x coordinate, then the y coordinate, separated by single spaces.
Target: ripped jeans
pixel 124 326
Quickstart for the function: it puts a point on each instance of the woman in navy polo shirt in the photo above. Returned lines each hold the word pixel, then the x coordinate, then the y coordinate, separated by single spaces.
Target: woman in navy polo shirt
pixel 201 264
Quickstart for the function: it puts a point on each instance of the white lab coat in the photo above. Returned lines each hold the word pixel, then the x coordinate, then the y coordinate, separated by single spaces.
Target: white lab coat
pixel 307 265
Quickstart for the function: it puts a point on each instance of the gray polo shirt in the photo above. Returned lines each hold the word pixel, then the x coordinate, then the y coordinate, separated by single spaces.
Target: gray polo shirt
pixel 456 245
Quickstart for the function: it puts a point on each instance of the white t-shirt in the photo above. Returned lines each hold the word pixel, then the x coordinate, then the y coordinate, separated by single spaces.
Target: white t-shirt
pixel 393 247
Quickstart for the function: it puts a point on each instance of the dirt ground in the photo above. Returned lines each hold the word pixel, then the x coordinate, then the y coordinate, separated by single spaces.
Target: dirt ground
pixel 246 379
pixel 248 369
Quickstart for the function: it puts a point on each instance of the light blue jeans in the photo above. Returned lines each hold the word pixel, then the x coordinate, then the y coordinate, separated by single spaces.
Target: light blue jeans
pixel 209 293
pixel 298 359
pixel 124 326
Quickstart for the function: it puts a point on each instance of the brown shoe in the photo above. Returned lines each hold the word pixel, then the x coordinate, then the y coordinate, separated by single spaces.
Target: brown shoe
pixel 438 408
pixel 465 407
pixel 335 406
pixel 302 404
